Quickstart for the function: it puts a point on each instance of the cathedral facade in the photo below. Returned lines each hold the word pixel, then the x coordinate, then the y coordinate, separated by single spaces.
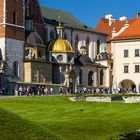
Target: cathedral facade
pixel 40 46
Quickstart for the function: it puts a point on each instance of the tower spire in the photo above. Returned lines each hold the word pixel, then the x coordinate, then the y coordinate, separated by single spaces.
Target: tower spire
pixel 59 28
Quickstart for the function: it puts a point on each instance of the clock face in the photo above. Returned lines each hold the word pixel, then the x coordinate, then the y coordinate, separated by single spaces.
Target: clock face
pixel 60 57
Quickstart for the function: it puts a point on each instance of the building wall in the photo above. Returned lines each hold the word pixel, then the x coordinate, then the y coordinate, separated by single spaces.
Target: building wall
pixel 120 61
pixel 42 70
pixel 14 52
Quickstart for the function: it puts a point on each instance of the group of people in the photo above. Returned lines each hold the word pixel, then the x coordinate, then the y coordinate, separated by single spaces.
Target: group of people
pixel 35 90
pixel 20 90
pixel 119 90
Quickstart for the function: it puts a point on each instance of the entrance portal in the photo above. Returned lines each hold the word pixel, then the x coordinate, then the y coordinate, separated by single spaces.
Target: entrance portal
pixel 128 85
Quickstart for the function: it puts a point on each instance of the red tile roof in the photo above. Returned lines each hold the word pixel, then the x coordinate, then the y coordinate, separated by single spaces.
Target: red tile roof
pixel 103 26
pixel 132 32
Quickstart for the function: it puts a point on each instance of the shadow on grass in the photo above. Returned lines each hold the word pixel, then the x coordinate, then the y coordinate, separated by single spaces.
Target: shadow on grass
pixel 13 127
pixel 129 136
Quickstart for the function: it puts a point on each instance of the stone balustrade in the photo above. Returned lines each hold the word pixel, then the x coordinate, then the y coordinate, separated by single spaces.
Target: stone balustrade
pixel 106 99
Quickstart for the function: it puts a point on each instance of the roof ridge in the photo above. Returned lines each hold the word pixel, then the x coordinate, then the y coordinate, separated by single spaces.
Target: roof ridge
pixel 54 9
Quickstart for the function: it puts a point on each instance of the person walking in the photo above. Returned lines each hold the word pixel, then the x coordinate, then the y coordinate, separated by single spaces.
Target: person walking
pixel 20 90
pixel 46 91
pixel 16 90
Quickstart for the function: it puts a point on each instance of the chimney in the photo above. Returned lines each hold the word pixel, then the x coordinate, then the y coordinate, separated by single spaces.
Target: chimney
pixel 123 18
pixel 110 19
pixel 138 15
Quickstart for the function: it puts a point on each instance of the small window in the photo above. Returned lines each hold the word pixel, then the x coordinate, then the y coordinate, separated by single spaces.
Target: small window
pixel 126 69
pixel 16 69
pixel 137 68
pixel 98 46
pixel 125 53
pixel 137 53
pixel 29 25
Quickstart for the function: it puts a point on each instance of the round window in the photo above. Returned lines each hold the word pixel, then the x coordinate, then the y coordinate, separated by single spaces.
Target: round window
pixel 60 57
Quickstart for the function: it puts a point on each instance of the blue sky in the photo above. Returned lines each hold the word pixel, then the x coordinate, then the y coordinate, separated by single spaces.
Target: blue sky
pixel 90 11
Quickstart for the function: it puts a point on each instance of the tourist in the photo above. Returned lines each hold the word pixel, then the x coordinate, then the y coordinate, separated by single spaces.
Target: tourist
pixel 46 91
pixel 1 91
pixel 28 91
pixel 85 90
pixel 51 90
pixel 92 91
pixel 20 90
pixel 16 90
pixel 61 90
pixel 39 90
pixel 68 91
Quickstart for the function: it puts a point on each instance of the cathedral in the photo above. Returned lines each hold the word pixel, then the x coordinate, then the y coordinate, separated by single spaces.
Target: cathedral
pixel 46 47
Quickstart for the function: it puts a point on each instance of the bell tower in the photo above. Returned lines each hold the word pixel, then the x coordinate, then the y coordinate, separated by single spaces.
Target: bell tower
pixel 12 36
pixel 13 19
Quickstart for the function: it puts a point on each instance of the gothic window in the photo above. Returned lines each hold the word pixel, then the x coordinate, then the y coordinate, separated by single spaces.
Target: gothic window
pixel 98 46
pixel 51 35
pixel 27 11
pixel 16 69
pixel 90 78
pixel 80 77
pixel 76 43
pixel 87 44
pixel 101 77
pixel 14 17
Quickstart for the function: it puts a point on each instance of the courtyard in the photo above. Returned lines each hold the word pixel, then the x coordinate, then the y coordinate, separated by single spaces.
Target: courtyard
pixel 56 117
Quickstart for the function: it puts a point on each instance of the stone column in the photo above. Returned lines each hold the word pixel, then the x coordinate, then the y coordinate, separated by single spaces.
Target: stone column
pixel 95 79
pixel 137 88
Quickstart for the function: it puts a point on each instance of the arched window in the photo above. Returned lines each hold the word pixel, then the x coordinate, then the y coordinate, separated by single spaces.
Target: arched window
pixel 27 11
pixel 0 55
pixel 14 17
pixel 98 46
pixel 76 43
pixel 16 69
pixel 101 77
pixel 90 78
pixel 80 77
pixel 51 35
pixel 87 44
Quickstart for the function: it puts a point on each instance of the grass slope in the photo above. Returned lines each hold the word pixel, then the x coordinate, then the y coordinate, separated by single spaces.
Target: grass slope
pixel 13 127
pixel 56 115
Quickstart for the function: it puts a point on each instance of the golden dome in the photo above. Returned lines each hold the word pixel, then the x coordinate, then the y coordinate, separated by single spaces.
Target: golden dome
pixel 60 45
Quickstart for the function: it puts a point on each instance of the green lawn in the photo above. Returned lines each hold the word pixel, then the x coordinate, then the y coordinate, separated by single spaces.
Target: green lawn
pixel 56 118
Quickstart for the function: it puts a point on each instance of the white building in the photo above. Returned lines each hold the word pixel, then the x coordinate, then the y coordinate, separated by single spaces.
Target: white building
pixel 123 42
pixel 126 58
